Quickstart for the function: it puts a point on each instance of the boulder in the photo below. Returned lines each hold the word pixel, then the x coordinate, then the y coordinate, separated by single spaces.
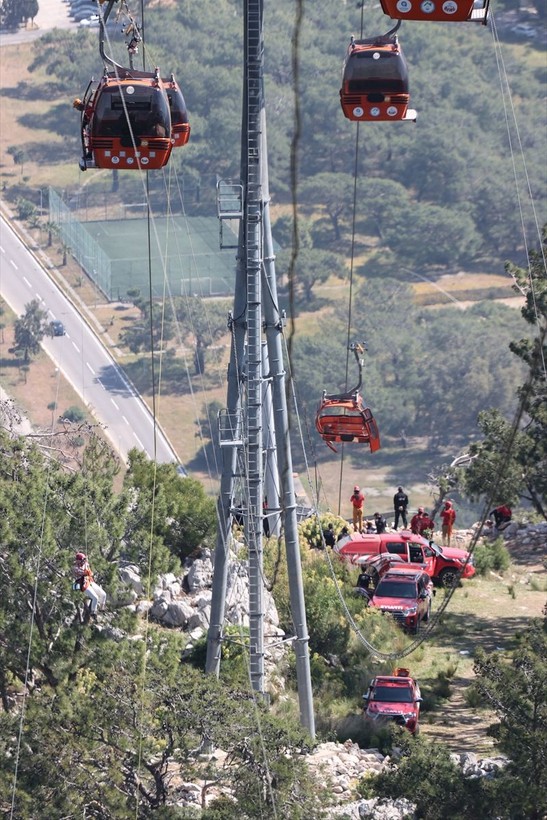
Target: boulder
pixel 200 575
pixel 130 575
pixel 178 613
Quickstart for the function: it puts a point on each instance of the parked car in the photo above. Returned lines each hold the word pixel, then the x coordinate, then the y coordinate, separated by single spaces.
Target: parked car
pixel 405 593
pixel 83 14
pixel 57 328
pixel 443 564
pixel 394 697
pixel 90 22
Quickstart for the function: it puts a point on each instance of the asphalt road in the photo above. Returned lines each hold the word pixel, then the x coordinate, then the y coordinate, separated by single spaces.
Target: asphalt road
pixel 80 354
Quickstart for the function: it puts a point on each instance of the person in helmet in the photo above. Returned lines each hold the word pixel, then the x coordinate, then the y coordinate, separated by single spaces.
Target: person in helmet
pixel 416 522
pixel 358 500
pixel 83 581
pixel 448 516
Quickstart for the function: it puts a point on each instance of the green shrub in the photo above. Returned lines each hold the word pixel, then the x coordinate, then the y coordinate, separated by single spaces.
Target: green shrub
pixel 311 530
pixel 491 556
pixel 74 414
pixel 473 697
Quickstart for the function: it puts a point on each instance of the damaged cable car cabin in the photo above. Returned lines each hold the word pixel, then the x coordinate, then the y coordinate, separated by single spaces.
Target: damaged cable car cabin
pixel 126 123
pixel 375 81
pixel 447 11
pixel 344 418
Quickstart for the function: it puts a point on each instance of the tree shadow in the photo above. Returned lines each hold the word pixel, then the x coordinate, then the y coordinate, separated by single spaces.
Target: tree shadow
pixel 33 92
pixel 463 632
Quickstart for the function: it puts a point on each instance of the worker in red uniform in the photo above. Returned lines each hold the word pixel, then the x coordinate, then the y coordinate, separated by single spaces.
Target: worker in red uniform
pixel 502 516
pixel 358 500
pixel 416 522
pixel 448 515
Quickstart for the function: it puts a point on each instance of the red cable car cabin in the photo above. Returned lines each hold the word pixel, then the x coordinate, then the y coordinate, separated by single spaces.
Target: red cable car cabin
pixel 375 81
pixel 127 124
pixel 455 11
pixel 344 418
pixel 180 127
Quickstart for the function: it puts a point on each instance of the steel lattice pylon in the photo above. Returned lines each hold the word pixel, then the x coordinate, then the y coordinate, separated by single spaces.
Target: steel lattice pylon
pixel 256 315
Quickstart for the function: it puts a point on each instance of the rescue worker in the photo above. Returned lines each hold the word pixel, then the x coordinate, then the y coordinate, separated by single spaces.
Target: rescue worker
pixel 416 522
pixel 400 505
pixel 428 526
pixel 328 535
pixel 365 585
pixel 357 499
pixel 380 522
pixel 343 538
pixel 502 516
pixel 448 515
pixel 83 581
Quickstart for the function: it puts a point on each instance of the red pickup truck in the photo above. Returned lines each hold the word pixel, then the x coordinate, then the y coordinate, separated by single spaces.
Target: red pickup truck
pixel 394 697
pixel 444 564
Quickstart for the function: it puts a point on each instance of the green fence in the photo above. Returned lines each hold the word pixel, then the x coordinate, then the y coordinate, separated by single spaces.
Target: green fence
pixel 180 254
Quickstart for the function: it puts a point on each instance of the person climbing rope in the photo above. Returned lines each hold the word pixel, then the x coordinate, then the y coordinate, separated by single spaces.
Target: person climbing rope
pixel 83 581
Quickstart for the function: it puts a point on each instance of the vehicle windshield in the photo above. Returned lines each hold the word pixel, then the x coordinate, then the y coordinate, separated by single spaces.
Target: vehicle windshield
pixel 396 589
pixel 393 694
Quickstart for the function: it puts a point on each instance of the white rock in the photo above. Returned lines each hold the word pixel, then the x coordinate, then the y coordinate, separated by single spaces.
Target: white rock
pixel 178 613
pixel 130 575
pixel 200 574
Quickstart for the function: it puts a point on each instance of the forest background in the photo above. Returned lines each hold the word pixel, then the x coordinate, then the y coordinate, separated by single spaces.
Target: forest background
pixel 440 207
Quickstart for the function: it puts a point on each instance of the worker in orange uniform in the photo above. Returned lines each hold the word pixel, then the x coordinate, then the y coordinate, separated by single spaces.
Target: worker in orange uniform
pixel 358 501
pixel 448 516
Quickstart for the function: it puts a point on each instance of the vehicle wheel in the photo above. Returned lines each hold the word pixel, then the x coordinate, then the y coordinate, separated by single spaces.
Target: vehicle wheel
pixel 449 577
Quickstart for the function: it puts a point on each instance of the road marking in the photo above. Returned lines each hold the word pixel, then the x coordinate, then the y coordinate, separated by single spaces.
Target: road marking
pixel 124 418
pixel 39 297
pixel 76 348
pixel 89 367
pixel 141 445
pixel 14 265
pixel 27 281
pixel 2 249
pixel 114 403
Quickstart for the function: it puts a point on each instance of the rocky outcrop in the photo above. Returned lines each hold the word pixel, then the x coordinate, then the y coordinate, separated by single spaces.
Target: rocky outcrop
pixel 184 601
pixel 337 769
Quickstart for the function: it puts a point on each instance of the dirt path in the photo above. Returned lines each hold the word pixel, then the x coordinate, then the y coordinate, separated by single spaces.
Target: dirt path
pixel 460 727
pixel 491 615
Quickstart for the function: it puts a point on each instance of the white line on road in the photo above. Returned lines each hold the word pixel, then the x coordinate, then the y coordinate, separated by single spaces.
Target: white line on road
pixel 26 281
pixel 2 249
pixel 76 348
pixel 14 265
pixel 124 418
pixel 114 403
pixel 39 297
pixel 89 366
pixel 141 445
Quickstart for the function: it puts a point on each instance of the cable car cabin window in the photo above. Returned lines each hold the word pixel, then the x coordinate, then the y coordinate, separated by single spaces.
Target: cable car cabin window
pixel 364 74
pixel 340 411
pixel 177 105
pixel 145 114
